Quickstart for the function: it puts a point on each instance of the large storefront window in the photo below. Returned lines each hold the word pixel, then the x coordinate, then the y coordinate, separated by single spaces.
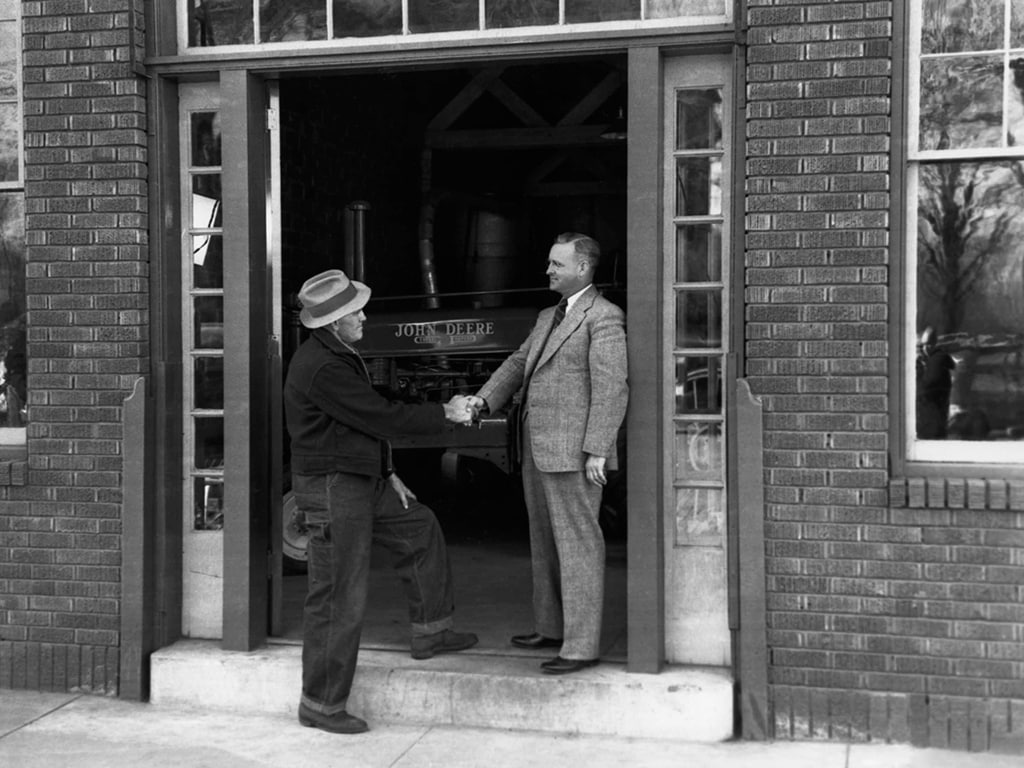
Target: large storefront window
pixel 248 22
pixel 964 345
pixel 13 364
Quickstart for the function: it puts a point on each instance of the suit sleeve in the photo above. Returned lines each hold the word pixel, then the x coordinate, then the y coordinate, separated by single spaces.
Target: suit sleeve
pixel 508 379
pixel 609 391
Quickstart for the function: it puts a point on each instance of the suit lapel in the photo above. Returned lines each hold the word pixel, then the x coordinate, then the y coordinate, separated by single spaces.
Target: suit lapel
pixel 573 319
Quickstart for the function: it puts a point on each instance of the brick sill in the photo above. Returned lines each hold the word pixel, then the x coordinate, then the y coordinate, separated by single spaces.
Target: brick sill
pixel 957 493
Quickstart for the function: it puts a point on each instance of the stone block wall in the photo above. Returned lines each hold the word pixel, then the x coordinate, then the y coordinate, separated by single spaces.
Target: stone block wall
pixel 88 342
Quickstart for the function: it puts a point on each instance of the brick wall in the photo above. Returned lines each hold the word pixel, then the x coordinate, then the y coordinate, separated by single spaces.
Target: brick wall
pixel 895 605
pixel 85 189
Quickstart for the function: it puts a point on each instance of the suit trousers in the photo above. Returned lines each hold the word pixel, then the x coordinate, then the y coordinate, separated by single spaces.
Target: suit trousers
pixel 567 552
pixel 347 513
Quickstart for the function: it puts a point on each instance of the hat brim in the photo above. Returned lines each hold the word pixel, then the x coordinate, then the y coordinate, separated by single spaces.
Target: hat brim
pixel 362 296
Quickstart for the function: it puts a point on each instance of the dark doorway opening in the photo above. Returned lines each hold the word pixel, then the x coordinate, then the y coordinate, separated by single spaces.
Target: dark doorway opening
pixel 443 189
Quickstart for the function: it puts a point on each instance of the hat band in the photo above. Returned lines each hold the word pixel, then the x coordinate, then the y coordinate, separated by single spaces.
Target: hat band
pixel 333 304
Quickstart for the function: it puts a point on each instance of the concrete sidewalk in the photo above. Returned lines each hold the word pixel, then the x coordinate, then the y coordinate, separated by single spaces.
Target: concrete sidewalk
pixel 51 730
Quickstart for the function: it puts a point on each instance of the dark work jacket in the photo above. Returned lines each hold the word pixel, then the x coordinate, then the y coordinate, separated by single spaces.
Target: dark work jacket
pixel 337 421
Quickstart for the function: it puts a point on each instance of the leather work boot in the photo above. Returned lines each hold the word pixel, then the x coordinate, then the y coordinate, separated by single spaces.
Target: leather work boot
pixel 425 646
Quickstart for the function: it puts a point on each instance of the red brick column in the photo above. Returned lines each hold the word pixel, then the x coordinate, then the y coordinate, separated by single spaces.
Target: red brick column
pixel 87 284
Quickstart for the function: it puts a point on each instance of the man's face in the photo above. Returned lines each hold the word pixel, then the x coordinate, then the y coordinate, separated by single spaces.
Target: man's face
pixel 566 273
pixel 350 327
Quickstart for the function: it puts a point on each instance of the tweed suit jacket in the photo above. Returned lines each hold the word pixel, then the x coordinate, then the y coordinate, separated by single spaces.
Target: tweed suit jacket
pixel 576 383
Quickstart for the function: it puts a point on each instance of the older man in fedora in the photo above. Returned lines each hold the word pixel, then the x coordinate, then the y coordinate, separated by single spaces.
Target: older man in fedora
pixel 345 484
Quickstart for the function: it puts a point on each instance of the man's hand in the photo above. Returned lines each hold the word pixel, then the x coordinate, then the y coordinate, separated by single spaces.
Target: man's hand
pixel 458 410
pixel 595 469
pixel 477 403
pixel 404 494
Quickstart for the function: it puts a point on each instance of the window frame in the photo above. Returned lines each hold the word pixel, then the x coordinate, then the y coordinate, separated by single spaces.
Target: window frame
pixel 479 35
pixel 13 440
pixel 910 456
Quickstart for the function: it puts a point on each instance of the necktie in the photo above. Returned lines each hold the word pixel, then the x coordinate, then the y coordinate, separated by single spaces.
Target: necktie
pixel 559 312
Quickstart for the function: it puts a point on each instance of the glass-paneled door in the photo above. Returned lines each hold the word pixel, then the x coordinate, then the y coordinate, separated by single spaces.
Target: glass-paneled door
pixel 202 331
pixel 696 331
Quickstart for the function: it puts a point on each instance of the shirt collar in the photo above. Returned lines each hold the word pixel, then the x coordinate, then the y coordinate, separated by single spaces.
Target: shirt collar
pixel 572 299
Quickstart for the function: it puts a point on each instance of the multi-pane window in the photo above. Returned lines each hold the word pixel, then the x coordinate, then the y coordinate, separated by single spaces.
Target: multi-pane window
pixel 203 325
pixel 13 362
pixel 697 279
pixel 247 22
pixel 964 328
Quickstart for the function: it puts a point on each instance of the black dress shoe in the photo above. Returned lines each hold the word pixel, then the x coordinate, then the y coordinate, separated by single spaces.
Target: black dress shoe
pixel 341 722
pixel 560 666
pixel 536 641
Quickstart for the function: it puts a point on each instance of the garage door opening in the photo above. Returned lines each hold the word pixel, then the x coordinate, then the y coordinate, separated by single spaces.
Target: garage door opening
pixel 443 190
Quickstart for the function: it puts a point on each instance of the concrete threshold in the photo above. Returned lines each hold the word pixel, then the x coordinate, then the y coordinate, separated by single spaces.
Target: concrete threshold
pixel 692 704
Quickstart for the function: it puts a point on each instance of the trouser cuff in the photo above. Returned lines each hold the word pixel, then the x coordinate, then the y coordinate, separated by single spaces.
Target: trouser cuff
pixel 432 627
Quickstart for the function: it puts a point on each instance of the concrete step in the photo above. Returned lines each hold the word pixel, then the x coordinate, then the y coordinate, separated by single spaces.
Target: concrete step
pixel 462 689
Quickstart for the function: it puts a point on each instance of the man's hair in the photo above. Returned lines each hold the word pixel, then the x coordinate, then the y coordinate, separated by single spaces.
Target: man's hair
pixel 585 247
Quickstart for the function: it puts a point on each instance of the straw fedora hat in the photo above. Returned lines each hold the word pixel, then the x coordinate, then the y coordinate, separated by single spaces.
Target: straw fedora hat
pixel 330 295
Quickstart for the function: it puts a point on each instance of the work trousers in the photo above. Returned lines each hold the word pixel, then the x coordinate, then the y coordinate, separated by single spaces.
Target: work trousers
pixel 347 513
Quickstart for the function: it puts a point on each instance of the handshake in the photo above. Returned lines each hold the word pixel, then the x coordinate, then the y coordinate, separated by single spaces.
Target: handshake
pixel 463 409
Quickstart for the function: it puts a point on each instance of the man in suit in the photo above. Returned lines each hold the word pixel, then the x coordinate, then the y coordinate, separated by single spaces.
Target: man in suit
pixel 572 370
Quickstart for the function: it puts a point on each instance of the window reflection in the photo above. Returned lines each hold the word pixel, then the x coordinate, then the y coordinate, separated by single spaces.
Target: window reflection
pixel 699 451
pixel 208 504
pixel 577 11
pixel 219 22
pixel 443 15
pixel 515 13
pixel 698 387
pixel 699 253
pixel 698 186
pixel 209 322
pixel 13 357
pixel 364 18
pixel 961 102
pixel 9 45
pixel 698 319
pixel 206 198
pixel 9 142
pixel 208 391
pixel 969 367
pixel 699 119
pixel 287 21
pixel 205 130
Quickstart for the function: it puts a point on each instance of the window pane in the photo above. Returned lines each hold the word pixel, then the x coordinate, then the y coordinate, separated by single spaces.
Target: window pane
pixel 205 139
pixel 208 261
pixel 698 186
pixel 208 504
pixel 13 362
pixel 286 21
pixel 699 119
pixel 961 102
pixel 209 383
pixel 443 15
pixel 952 26
pixel 515 13
pixel 362 18
pixel 699 253
pixel 700 516
pixel 209 443
pixel 209 322
pixel 206 198
pixel 698 319
pixel 666 9
pixel 9 45
pixel 1016 23
pixel 9 142
pixel 219 22
pixel 699 452
pixel 970 316
pixel 577 11
pixel 698 385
